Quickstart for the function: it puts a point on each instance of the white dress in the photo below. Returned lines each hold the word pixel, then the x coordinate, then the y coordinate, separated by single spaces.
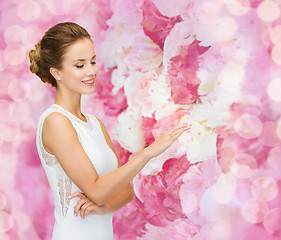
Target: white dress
pixel 67 226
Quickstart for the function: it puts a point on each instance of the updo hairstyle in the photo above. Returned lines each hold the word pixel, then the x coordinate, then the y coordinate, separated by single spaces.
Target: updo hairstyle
pixel 50 49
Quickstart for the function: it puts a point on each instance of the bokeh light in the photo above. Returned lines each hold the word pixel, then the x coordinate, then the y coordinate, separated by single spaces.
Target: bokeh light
pixel 3 62
pixel 6 110
pixel 3 201
pixel 224 29
pixel 224 190
pixel 10 131
pixel 4 236
pixel 275 35
pixel 279 129
pixel 248 126
pixel 19 89
pixel 22 220
pixel 264 188
pixel 14 54
pixel 28 10
pixel 243 165
pixel 268 10
pixel 238 7
pixel 6 222
pixel 274 89
pixel 269 136
pixel 272 220
pixel 274 159
pixel 61 9
pixel 231 77
pixel 253 210
pixel 15 34
pixel 275 53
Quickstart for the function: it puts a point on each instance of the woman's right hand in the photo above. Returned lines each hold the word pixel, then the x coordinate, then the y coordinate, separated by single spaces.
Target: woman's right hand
pixel 86 206
pixel 165 140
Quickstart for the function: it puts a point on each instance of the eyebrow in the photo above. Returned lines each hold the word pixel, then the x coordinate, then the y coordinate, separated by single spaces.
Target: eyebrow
pixel 81 60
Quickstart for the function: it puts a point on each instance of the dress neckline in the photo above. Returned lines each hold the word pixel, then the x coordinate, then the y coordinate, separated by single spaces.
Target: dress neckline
pixel 77 118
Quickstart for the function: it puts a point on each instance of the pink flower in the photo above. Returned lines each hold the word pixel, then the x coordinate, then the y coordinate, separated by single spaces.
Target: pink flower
pixel 129 222
pixel 180 229
pixel 160 193
pixel 172 8
pixel 114 104
pixel 137 92
pixel 147 125
pixel 182 74
pixel 196 181
pixel 155 25
pixel 122 154
pixel 181 35
pixel 104 12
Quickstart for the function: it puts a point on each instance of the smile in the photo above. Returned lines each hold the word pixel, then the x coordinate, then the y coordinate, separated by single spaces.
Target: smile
pixel 89 82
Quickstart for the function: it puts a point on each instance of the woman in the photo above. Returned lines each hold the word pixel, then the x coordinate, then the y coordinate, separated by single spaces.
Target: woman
pixel 74 147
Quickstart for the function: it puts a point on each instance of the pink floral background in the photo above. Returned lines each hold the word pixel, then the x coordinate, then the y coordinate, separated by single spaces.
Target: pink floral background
pixel 213 63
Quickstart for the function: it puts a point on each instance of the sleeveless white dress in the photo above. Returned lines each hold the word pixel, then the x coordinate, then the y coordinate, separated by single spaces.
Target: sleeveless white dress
pixel 90 135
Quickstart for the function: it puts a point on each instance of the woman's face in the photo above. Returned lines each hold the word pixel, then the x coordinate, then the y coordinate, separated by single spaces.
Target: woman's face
pixel 79 69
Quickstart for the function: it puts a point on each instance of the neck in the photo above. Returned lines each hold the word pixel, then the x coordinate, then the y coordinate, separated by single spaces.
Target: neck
pixel 70 102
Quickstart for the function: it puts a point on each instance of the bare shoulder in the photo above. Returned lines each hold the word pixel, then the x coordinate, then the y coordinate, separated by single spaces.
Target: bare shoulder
pixel 57 129
pixel 57 121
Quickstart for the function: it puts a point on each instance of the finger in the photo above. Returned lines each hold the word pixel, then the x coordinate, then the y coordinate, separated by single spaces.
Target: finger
pixel 78 206
pixel 180 127
pixel 178 132
pixel 183 125
pixel 87 211
pixel 91 209
pixel 84 207
pixel 76 194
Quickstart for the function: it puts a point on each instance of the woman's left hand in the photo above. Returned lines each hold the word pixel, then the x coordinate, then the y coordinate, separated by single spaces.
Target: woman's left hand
pixel 86 206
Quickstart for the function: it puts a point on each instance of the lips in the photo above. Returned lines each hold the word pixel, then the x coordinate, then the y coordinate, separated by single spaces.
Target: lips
pixel 89 82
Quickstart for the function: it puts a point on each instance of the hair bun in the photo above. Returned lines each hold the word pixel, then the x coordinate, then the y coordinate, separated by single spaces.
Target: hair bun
pixel 34 58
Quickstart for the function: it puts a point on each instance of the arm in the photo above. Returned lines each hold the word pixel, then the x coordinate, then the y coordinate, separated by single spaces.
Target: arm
pixel 62 141
pixel 86 206
pixel 126 194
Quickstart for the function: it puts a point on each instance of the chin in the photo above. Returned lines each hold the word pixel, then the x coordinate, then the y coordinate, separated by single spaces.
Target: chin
pixel 89 92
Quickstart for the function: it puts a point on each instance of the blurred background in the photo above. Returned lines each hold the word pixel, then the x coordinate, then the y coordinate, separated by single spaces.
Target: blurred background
pixel 213 63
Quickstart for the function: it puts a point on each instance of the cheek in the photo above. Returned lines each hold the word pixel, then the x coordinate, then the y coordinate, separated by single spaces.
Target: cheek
pixel 77 74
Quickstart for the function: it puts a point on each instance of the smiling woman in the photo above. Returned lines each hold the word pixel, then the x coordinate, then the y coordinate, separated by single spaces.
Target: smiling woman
pixel 75 149
pixel 79 68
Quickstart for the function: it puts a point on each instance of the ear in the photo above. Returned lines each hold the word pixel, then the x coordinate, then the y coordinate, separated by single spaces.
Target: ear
pixel 55 73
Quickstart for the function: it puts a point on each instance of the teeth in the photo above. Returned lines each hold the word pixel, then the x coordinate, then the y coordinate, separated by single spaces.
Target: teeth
pixel 89 81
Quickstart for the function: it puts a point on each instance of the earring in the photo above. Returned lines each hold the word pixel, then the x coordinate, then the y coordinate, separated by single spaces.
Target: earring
pixel 59 78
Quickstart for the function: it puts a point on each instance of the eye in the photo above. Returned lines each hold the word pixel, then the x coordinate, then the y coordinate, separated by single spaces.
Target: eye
pixel 93 63
pixel 80 66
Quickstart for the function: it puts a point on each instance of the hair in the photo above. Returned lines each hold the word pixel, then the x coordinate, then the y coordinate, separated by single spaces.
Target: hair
pixel 50 49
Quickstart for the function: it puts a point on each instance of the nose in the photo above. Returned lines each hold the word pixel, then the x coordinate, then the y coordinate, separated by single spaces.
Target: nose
pixel 92 70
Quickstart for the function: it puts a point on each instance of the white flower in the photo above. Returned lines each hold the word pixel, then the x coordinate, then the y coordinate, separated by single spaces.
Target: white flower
pixel 128 130
pixel 200 141
pixel 137 92
pixel 160 93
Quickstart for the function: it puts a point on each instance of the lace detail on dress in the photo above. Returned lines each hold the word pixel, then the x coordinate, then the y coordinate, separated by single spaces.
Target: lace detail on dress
pixel 49 159
pixel 65 188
